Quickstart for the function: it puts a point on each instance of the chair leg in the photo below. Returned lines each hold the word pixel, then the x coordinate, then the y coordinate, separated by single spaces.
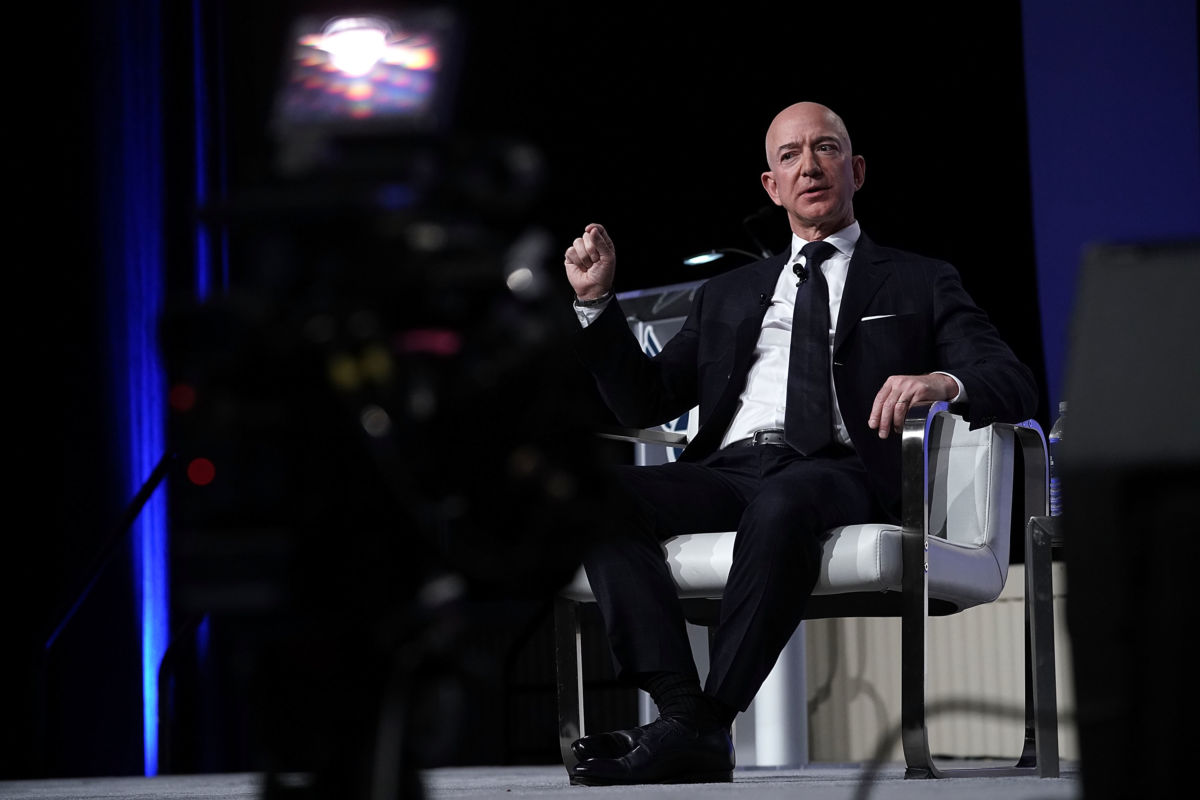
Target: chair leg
pixel 1029 753
pixel 1040 755
pixel 568 664
pixel 1042 718
pixel 914 623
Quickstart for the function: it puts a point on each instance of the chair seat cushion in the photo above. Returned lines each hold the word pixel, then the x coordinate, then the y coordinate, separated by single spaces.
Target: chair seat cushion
pixel 856 558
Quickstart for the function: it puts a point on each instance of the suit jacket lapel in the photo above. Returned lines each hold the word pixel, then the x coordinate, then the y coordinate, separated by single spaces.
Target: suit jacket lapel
pixel 868 271
pixel 758 290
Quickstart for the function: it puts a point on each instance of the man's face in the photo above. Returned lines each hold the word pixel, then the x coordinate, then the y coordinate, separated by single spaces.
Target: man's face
pixel 812 174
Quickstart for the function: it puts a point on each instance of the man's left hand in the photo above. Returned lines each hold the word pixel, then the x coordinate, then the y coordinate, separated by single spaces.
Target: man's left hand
pixel 900 392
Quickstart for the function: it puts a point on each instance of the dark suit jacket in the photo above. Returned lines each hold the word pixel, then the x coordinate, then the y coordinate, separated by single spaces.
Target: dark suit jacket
pixel 924 321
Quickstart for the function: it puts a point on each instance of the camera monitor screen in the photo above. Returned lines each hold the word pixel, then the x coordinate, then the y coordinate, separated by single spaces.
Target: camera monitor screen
pixel 368 74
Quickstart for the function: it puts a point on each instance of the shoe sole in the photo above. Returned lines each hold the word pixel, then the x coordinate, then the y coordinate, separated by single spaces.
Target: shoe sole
pixel 693 777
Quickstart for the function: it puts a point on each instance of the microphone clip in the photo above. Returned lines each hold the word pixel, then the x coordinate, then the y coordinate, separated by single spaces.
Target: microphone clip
pixel 801 273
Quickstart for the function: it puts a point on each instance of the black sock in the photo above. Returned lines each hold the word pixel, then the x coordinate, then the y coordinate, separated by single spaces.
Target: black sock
pixel 679 697
pixel 724 713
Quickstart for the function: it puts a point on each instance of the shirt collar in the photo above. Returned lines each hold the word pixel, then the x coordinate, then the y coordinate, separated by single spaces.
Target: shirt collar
pixel 844 240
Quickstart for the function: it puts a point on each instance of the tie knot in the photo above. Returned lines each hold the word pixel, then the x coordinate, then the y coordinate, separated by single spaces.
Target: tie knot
pixel 816 252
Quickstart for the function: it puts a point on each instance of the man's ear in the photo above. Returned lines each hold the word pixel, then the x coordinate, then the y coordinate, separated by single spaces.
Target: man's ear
pixel 859 164
pixel 768 182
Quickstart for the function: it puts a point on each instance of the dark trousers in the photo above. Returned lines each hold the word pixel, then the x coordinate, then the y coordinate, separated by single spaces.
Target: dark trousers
pixel 780 503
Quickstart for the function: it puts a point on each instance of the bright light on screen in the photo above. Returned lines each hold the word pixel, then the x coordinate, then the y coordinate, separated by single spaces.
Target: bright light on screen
pixel 364 68
pixel 354 44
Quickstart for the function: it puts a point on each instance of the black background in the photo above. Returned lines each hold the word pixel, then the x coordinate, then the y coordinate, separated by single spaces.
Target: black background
pixel 651 120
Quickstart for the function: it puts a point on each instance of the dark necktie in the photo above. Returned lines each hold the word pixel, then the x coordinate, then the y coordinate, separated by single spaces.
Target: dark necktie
pixel 808 425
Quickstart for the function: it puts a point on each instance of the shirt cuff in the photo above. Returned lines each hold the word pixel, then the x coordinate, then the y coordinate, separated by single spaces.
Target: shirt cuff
pixel 586 314
pixel 961 397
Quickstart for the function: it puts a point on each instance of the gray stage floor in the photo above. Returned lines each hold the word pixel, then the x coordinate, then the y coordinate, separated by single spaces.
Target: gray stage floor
pixel 816 782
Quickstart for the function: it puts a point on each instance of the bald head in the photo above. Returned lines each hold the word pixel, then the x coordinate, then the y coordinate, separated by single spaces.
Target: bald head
pixel 799 112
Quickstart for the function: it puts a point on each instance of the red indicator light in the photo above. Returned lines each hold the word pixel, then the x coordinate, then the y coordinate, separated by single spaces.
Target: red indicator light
pixel 182 397
pixel 201 471
pixel 433 341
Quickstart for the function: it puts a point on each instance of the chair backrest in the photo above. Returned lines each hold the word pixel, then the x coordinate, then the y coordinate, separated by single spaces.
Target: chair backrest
pixel 970 488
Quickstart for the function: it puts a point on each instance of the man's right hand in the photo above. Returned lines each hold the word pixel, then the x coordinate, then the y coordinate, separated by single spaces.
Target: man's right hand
pixel 591 262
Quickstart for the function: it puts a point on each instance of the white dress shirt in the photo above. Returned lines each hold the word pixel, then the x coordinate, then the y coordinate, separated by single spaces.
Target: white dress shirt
pixel 762 403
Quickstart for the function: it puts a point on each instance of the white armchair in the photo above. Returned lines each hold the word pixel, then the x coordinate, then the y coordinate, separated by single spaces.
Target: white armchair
pixel 950 552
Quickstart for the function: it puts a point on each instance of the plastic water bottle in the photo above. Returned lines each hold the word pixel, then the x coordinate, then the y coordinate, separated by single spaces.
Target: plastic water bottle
pixel 1055 441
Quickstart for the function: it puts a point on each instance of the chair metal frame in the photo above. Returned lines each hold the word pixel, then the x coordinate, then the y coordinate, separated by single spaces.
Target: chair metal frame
pixel 1040 752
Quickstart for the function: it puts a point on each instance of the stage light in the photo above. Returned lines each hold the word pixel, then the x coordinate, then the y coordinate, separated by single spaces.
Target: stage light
pixel 713 255
pixel 702 258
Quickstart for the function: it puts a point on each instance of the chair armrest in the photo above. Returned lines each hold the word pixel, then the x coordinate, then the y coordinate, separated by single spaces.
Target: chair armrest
pixel 1034 481
pixel 914 464
pixel 645 436
pixel 1036 485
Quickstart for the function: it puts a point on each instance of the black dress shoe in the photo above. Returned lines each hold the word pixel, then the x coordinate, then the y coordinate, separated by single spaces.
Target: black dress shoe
pixel 612 744
pixel 668 751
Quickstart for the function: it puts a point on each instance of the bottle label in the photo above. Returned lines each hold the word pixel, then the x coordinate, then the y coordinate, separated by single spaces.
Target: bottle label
pixel 1055 482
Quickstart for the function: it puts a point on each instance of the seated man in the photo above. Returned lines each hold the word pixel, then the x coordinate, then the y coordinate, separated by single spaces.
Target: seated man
pixel 802 365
